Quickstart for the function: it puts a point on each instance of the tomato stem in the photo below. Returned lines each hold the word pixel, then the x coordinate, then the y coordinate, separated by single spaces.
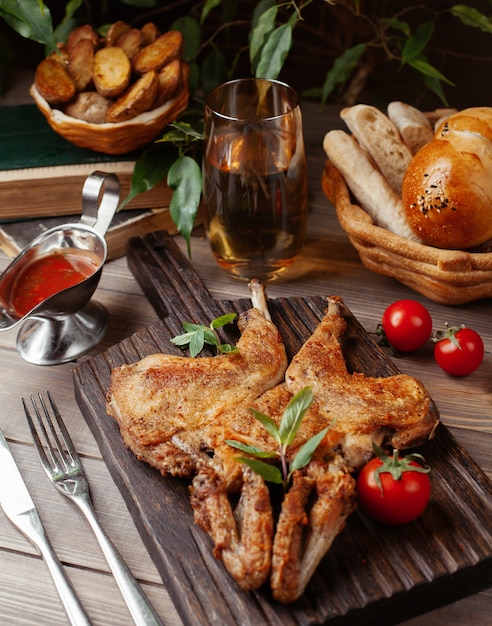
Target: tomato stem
pixel 449 333
pixel 396 465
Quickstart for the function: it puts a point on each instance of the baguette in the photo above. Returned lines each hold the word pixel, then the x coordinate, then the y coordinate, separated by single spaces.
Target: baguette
pixel 413 126
pixel 377 134
pixel 367 183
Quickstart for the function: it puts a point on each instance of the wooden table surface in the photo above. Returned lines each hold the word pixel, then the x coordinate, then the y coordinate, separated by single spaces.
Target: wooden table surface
pixel 328 265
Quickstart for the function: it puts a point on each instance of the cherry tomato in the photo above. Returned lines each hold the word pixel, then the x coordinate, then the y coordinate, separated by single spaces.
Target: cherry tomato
pixel 394 489
pixel 407 325
pixel 459 350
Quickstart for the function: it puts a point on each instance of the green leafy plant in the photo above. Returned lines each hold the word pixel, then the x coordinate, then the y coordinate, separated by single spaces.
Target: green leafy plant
pixel 284 434
pixel 198 335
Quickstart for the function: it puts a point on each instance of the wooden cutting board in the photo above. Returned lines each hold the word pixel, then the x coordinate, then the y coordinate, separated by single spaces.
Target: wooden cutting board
pixel 373 574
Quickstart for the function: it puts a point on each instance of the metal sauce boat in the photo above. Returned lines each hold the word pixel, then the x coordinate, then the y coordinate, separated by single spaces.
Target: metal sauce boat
pixel 66 324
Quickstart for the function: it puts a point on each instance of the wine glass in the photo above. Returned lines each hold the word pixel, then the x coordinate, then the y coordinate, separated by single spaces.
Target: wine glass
pixel 254 177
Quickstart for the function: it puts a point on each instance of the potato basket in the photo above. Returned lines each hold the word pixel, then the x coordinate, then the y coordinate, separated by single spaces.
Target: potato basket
pixel 113 138
pixel 444 276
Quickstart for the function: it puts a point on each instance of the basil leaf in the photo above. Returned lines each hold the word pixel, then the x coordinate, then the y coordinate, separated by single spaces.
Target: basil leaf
pixel 182 340
pixel 269 424
pixel 197 335
pixel 227 348
pixel 191 327
pixel 268 472
pixel 294 414
pixel 197 341
pixel 253 450
pixel 218 322
pixel 306 451
pixel 209 336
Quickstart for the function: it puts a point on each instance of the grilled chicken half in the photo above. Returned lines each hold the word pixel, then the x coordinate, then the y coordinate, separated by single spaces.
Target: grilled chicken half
pixel 176 413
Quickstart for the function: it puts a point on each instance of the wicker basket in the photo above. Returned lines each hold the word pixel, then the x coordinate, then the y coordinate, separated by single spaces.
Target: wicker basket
pixel 119 138
pixel 445 276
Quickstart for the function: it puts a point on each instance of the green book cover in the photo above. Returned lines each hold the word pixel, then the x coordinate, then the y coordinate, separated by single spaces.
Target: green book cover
pixel 27 140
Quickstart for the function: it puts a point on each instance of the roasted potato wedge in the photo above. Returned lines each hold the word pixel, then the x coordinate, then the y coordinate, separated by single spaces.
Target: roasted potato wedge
pixel 115 31
pixel 60 55
pixel 171 80
pixel 111 71
pixel 150 32
pixel 131 42
pixel 140 97
pixel 162 51
pixel 82 32
pixel 89 106
pixel 80 62
pixel 117 77
pixel 54 82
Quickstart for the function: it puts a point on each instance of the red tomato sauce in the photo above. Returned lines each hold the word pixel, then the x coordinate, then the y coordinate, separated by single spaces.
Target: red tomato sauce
pixel 47 275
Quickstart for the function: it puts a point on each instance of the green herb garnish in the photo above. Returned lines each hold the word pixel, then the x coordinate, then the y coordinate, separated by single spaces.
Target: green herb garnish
pixel 284 434
pixel 198 335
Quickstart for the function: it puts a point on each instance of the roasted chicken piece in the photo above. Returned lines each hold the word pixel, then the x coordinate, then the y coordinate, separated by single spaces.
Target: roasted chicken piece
pixel 172 412
pixel 170 409
pixel 177 414
pixel 360 410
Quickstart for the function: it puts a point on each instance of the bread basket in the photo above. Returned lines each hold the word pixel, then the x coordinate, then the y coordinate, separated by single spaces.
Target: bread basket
pixel 445 276
pixel 113 138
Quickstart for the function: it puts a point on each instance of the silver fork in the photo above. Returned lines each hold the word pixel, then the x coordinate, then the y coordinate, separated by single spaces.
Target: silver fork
pixel 63 467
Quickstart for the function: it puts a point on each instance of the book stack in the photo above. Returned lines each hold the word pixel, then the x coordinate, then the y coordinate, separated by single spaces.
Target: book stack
pixel 41 180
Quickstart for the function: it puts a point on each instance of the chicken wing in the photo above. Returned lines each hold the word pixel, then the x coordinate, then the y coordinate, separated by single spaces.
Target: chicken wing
pixel 169 406
pixel 174 412
pixel 358 410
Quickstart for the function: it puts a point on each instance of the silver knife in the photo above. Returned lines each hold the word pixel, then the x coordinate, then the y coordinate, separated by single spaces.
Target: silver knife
pixel 19 508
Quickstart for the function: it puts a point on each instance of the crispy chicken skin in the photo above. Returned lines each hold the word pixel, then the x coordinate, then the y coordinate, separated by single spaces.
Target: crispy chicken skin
pixel 358 410
pixel 172 406
pixel 173 413
pixel 361 409
pixel 177 413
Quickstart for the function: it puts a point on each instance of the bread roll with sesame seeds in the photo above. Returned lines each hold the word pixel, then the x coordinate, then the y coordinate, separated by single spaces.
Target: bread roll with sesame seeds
pixel 447 188
pixel 474 119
